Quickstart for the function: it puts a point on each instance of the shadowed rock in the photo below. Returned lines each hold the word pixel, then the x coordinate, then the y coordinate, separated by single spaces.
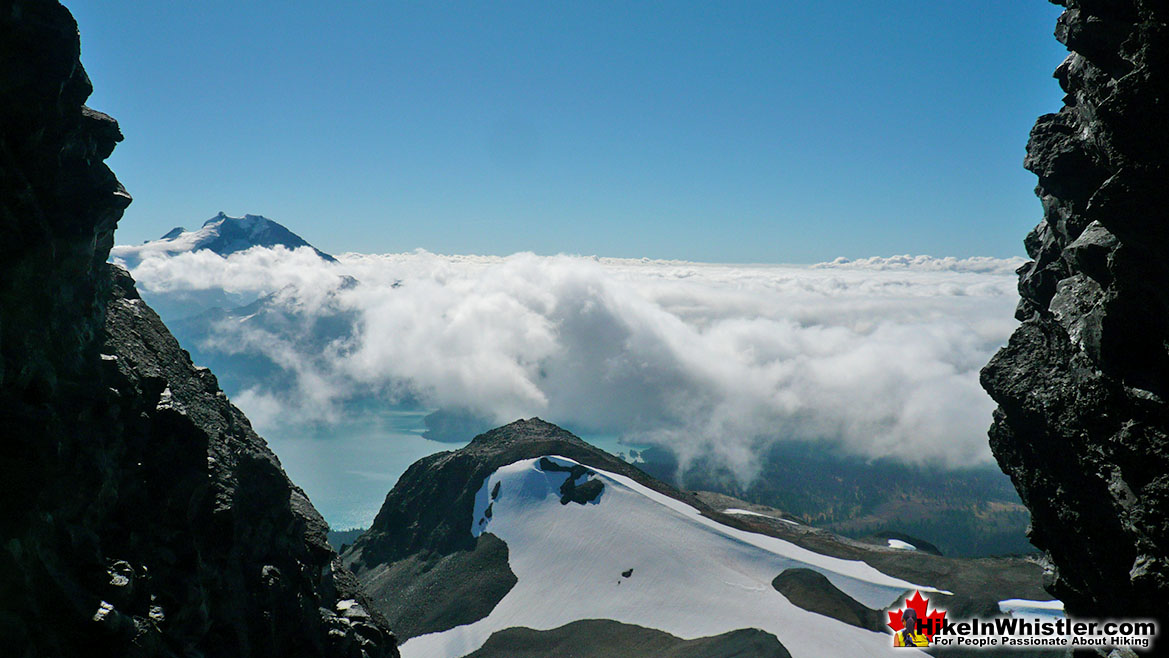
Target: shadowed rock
pixel 571 491
pixel 430 593
pixel 142 516
pixel 603 638
pixel 813 592
pixel 1082 425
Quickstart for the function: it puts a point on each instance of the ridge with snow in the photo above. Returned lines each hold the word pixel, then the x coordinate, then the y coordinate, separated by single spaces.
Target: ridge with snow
pixel 529 535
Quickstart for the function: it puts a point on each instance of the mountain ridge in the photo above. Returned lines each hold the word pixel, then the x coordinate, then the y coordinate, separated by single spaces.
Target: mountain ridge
pixel 433 562
pixel 486 452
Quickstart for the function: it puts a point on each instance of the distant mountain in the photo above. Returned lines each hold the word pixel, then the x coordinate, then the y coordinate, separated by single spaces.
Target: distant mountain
pixel 221 234
pixel 143 516
pixel 526 539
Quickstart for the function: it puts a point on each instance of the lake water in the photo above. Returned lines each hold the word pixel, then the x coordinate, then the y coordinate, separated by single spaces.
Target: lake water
pixel 347 468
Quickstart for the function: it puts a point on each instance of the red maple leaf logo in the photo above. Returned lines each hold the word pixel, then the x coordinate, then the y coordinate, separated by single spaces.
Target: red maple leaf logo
pixel 930 623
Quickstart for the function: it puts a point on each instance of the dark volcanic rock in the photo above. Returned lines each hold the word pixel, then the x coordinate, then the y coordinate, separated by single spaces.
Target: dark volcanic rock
pixel 142 516
pixel 573 491
pixel 430 593
pixel 604 638
pixel 813 592
pixel 978 584
pixel 1082 426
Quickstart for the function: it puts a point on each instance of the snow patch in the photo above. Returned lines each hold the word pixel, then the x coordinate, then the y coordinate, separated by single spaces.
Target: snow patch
pixel 747 512
pixel 902 545
pixel 1028 608
pixel 103 610
pixel 346 604
pixel 695 577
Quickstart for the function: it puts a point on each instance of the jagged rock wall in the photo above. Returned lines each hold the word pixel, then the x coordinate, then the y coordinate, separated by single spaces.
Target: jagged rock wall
pixel 1082 426
pixel 141 515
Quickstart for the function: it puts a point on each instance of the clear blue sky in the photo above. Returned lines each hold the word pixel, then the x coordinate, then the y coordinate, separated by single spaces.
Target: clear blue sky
pixel 781 131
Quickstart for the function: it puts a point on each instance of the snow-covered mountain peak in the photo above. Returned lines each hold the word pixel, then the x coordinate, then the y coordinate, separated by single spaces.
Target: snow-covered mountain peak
pixel 254 225
pixel 223 235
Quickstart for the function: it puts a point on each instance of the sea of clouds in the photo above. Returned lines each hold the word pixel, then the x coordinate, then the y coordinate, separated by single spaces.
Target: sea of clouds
pixel 878 356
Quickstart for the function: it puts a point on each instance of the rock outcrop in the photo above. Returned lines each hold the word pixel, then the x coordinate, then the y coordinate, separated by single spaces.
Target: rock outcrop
pixel 813 592
pixel 1082 426
pixel 429 510
pixel 141 514
pixel 604 638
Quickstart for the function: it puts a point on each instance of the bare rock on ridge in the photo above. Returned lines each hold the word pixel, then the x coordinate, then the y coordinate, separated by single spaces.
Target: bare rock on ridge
pixel 603 638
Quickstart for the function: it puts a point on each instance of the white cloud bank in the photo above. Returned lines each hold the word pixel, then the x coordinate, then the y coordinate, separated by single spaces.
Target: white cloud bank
pixel 880 355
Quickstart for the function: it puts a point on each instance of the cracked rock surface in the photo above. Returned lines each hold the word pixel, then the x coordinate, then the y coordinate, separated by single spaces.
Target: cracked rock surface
pixel 1082 425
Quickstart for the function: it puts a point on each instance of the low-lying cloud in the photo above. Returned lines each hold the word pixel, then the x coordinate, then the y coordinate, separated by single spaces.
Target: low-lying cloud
pixel 878 356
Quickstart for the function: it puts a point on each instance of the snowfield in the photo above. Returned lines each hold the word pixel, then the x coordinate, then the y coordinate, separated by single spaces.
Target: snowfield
pixel 1026 608
pixel 691 576
pixel 745 512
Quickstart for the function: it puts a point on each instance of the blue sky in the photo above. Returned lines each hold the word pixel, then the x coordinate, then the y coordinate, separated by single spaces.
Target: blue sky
pixel 721 131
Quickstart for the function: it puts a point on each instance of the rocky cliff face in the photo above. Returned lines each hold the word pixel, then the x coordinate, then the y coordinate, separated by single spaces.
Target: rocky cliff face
pixel 1082 425
pixel 141 514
